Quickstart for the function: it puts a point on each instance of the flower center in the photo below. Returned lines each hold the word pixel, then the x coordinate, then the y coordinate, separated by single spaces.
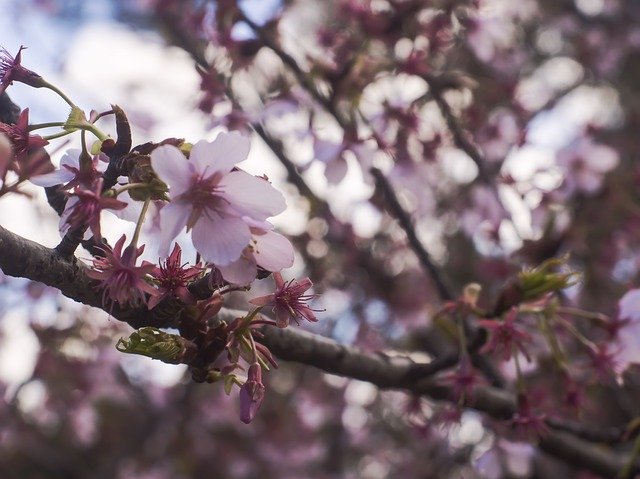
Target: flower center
pixel 205 196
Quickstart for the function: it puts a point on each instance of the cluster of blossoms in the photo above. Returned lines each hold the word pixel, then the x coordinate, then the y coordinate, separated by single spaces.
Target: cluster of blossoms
pixel 169 186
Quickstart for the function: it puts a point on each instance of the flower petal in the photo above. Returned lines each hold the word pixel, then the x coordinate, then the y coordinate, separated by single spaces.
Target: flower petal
pixel 172 167
pixel 273 251
pixel 173 218
pixel 221 154
pixel 242 271
pixel 252 196
pixel 220 240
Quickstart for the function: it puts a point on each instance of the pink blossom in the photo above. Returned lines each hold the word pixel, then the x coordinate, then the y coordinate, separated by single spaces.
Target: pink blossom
pixel 120 279
pixel 526 422
pixel 267 249
pixel 69 173
pixel 173 278
pixel 251 394
pixel 23 144
pixel 84 208
pixel 212 199
pixel 505 336
pixel 628 341
pixel 289 301
pixel 585 163
pixel 463 380
pixel 11 70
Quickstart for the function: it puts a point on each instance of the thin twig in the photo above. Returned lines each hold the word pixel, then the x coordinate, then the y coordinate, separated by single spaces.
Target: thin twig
pixel 444 291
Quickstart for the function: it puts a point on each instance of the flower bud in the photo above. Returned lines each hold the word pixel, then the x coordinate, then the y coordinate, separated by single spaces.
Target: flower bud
pixel 251 394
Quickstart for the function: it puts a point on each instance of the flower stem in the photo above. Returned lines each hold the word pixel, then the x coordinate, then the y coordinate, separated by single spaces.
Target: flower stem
pixel 39 126
pixel 59 92
pixel 57 135
pixel 129 186
pixel 143 213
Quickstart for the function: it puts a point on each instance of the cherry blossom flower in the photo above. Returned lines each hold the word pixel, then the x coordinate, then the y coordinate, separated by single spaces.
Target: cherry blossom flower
pixel 69 173
pixel 527 423
pixel 211 198
pixel 267 249
pixel 628 329
pixel 289 301
pixel 603 361
pixel 251 394
pixel 11 70
pixel 505 336
pixel 584 164
pixel 120 279
pixel 23 144
pixel 85 206
pixel 173 278
pixel 463 380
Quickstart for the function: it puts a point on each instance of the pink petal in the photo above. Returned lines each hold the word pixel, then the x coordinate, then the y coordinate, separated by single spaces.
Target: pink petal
pixel 629 305
pixel 327 151
pixel 262 300
pixel 242 271
pixel 57 177
pixel 273 251
pixel 220 240
pixel 335 171
pixel 173 218
pixel 252 196
pixel 63 175
pixel 172 167
pixel 221 154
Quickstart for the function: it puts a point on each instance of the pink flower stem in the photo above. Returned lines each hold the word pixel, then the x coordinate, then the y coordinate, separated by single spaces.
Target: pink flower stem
pixel 577 334
pixel 264 322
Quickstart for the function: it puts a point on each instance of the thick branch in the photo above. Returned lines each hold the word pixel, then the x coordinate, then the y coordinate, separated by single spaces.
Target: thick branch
pixel 24 258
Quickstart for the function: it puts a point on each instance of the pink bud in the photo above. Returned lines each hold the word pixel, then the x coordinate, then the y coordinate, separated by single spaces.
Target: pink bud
pixel 251 394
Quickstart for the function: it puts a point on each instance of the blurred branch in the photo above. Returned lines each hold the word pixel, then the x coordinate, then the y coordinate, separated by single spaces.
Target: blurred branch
pixel 460 137
pixel 405 222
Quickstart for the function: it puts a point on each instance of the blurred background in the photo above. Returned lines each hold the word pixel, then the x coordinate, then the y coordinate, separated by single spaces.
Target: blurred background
pixel 545 91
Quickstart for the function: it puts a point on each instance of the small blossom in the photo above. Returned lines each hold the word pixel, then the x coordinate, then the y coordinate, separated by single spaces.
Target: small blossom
pixel 120 279
pixel 173 278
pixel 585 163
pixel 85 206
pixel 463 380
pixel 212 198
pixel 289 301
pixel 604 362
pixel 251 394
pixel 527 423
pixel 11 70
pixel 70 175
pixel 24 144
pixel 505 336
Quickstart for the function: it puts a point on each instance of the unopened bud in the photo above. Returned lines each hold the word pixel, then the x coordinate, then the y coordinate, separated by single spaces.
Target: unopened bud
pixel 157 344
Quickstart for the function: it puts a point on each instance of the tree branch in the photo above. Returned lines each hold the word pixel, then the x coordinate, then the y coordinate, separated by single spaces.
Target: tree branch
pixel 24 258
